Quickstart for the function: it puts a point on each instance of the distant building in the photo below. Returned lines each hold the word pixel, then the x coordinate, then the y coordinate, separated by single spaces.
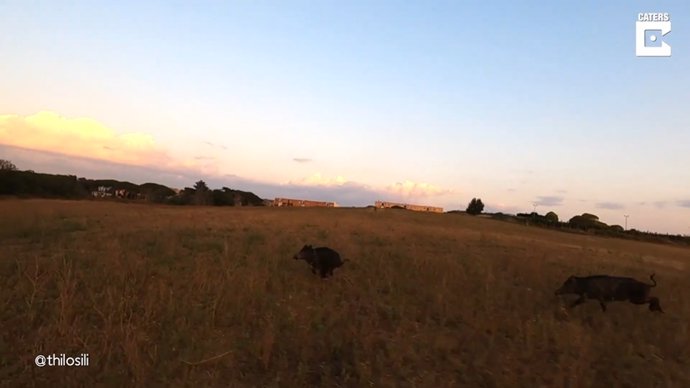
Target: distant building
pixel 125 194
pixel 419 208
pixel 103 192
pixel 289 202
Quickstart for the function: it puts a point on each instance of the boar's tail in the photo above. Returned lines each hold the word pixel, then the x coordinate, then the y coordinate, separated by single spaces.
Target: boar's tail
pixel 652 278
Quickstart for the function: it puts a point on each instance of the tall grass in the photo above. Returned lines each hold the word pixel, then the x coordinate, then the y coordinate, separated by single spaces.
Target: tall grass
pixel 211 297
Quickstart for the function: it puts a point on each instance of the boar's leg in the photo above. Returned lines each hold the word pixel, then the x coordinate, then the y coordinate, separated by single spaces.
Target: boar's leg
pixel 579 300
pixel 324 272
pixel 653 302
pixel 654 305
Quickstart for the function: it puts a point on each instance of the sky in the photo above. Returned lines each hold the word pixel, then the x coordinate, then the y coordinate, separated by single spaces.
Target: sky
pixel 426 102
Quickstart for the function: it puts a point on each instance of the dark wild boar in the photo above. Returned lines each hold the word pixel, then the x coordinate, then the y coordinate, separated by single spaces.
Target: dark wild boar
pixel 606 288
pixel 322 259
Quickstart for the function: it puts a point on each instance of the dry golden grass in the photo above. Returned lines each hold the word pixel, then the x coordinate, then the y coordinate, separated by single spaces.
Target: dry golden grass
pixel 155 293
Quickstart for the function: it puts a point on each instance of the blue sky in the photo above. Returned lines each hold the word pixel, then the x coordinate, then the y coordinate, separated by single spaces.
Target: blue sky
pixel 427 102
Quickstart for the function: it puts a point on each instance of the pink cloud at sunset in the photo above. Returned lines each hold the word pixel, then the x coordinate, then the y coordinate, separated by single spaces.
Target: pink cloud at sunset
pixel 405 189
pixel 82 137
pixel 412 189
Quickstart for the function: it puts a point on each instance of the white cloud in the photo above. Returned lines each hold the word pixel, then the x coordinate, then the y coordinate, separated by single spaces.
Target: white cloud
pixel 416 190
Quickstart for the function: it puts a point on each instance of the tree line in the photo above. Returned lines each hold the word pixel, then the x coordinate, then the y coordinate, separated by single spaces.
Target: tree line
pixel 584 223
pixel 14 182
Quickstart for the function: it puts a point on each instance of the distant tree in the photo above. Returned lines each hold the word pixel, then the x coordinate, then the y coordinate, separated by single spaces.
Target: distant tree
pixel 551 217
pixel 587 221
pixel 616 228
pixel 224 197
pixel 590 216
pixel 26 184
pixel 202 196
pixel 185 196
pixel 475 206
pixel 230 197
pixel 578 222
pixel 154 192
pixel 200 186
pixel 219 198
pixel 6 165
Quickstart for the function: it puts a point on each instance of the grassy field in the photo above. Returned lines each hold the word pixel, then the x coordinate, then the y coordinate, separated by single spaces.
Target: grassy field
pixel 153 294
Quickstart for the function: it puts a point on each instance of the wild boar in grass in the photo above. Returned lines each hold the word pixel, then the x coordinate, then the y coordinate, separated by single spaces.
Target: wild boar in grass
pixel 606 288
pixel 322 259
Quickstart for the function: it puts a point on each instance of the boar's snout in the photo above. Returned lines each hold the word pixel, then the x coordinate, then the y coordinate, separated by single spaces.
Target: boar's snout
pixel 567 287
pixel 303 253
